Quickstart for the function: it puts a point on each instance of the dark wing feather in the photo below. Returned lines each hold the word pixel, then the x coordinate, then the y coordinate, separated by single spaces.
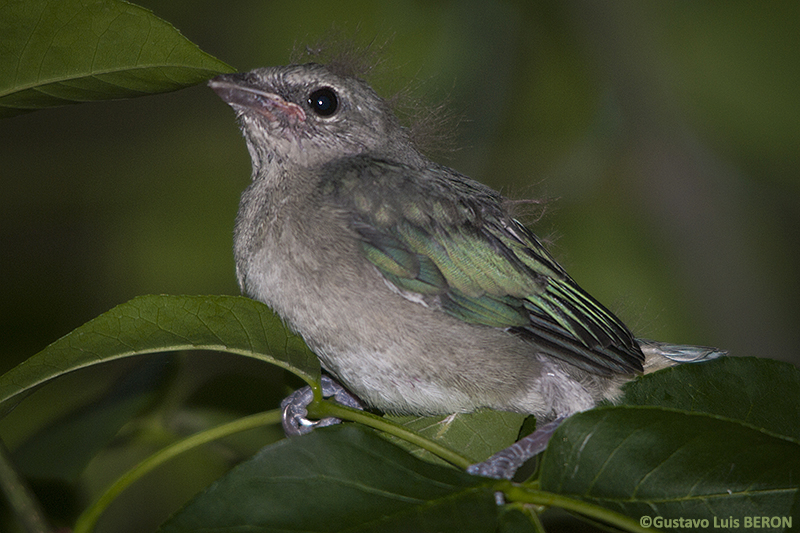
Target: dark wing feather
pixel 440 237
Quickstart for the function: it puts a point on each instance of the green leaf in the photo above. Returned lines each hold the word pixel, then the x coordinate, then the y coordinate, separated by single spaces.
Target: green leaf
pixel 475 435
pixel 515 521
pixel 343 478
pixel 717 439
pixel 761 392
pixel 69 51
pixel 159 323
pixel 673 464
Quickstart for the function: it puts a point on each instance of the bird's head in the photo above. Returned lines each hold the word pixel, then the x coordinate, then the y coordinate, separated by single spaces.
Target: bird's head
pixel 309 115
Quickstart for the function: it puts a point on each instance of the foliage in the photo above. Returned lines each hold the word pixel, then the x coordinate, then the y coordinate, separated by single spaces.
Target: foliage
pixel 72 51
pixel 703 441
pixel 708 441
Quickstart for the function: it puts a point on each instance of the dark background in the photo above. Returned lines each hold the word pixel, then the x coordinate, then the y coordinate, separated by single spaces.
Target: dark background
pixel 664 134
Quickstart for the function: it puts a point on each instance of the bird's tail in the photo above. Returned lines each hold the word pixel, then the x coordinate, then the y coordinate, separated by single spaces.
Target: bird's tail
pixel 663 354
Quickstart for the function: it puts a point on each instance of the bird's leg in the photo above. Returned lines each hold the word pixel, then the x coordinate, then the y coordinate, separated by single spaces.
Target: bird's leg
pixel 505 463
pixel 295 407
pixel 502 465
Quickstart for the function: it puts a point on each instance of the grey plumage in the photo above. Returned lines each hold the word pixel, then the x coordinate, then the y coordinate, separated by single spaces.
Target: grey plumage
pixel 414 284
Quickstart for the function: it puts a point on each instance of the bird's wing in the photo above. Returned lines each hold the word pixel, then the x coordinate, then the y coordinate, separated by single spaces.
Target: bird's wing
pixel 442 239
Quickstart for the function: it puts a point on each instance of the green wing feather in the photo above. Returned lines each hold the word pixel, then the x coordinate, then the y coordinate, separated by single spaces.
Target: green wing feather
pixel 446 239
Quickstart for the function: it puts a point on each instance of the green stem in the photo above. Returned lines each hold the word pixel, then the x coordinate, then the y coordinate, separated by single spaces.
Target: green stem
pixel 325 408
pixel 521 494
pixel 514 493
pixel 22 502
pixel 88 519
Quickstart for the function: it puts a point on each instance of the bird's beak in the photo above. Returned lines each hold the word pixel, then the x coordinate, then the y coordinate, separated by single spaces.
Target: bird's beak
pixel 239 92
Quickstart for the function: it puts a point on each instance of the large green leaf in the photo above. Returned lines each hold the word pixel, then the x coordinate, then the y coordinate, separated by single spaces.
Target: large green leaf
pixel 149 324
pixel 650 461
pixel 342 478
pixel 68 51
pixel 712 440
pixel 761 392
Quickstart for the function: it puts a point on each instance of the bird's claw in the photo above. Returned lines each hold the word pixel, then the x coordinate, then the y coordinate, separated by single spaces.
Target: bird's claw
pixel 505 463
pixel 295 407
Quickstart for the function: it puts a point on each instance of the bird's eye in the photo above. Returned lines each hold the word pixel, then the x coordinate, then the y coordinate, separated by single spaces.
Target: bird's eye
pixel 323 102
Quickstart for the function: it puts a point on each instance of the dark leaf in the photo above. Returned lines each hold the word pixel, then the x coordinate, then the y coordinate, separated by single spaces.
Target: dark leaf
pixel 342 478
pixel 674 464
pixel 62 449
pixel 761 392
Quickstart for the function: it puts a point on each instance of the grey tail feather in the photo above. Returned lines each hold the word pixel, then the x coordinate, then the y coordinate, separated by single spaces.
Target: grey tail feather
pixel 681 353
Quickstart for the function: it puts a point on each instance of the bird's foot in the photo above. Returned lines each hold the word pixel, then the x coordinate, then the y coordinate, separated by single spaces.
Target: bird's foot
pixel 505 463
pixel 295 407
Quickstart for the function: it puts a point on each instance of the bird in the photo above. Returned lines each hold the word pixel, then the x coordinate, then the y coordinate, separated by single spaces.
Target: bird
pixel 416 286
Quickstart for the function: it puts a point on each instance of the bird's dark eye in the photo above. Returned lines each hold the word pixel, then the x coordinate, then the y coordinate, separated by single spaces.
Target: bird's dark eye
pixel 323 102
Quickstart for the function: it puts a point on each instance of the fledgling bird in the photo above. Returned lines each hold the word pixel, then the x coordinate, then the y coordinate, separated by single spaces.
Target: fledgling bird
pixel 415 285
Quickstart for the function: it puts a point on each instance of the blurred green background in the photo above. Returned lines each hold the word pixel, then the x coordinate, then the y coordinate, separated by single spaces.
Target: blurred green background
pixel 664 134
